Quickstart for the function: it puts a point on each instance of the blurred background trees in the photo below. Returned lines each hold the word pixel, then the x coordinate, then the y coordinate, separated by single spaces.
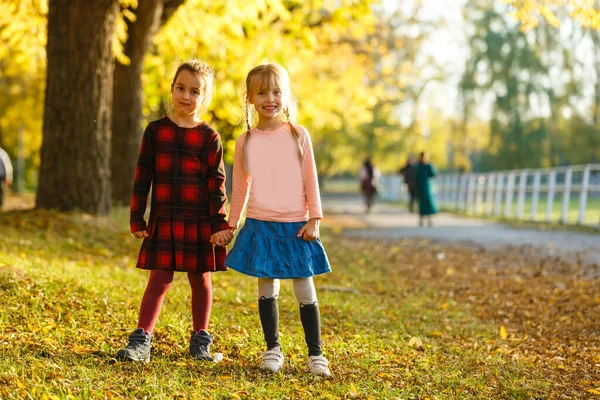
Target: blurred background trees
pixel 481 84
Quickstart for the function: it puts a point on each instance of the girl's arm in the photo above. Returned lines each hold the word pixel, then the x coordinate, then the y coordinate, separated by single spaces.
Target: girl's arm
pixel 310 178
pixel 241 184
pixel 216 184
pixel 144 174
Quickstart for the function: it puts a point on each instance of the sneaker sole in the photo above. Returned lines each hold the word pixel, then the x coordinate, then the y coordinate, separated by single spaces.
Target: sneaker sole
pixel 125 357
pixel 267 369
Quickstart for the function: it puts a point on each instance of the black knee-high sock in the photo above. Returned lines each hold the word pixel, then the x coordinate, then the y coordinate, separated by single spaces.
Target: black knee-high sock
pixel 311 322
pixel 268 310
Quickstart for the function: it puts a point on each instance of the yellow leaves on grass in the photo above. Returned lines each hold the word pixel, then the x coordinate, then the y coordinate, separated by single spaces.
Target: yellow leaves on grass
pixel 352 391
pixel 503 333
pixel 415 342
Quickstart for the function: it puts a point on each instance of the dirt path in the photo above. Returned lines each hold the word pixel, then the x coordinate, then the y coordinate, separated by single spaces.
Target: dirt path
pixel 394 222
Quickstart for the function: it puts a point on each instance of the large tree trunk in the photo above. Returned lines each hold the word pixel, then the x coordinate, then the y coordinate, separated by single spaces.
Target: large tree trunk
pixel 127 100
pixel 75 153
pixel 128 92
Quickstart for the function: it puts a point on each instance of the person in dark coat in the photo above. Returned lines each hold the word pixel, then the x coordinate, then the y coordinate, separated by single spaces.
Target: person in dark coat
pixel 181 157
pixel 424 173
pixel 409 172
pixel 369 176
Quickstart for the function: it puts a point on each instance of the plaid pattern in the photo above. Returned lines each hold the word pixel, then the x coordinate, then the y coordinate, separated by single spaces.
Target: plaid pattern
pixel 185 168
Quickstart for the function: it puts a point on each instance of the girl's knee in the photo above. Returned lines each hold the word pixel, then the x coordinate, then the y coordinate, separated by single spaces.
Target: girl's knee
pixel 305 291
pixel 160 278
pixel 200 280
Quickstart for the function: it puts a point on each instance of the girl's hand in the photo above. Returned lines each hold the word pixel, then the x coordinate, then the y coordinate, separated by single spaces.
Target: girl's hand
pixel 141 234
pixel 222 238
pixel 310 231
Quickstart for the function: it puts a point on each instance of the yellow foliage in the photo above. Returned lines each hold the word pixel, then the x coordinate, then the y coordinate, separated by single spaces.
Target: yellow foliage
pixel 527 12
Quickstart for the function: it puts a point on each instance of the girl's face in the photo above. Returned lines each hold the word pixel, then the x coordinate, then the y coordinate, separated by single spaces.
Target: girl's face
pixel 268 100
pixel 186 94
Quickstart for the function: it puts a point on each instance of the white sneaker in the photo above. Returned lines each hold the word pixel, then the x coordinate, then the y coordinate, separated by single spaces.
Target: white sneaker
pixel 318 365
pixel 272 360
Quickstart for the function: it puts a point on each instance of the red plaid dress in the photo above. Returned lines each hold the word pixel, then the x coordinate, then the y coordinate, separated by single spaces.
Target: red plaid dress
pixel 185 168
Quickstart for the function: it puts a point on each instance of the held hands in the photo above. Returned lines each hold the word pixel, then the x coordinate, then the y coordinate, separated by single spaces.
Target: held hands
pixel 310 231
pixel 141 234
pixel 222 238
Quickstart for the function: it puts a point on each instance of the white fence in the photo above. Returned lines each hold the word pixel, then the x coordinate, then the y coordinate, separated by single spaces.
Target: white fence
pixel 569 195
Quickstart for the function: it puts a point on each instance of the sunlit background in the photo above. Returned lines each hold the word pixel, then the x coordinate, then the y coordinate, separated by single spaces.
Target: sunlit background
pixel 482 85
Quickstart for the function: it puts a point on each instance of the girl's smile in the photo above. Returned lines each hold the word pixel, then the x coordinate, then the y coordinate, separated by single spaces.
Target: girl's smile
pixel 267 102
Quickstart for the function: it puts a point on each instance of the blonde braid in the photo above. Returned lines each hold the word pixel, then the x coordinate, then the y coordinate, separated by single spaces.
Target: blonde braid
pixel 244 152
pixel 286 112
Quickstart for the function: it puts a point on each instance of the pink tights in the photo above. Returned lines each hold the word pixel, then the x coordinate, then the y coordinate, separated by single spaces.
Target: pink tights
pixel 159 283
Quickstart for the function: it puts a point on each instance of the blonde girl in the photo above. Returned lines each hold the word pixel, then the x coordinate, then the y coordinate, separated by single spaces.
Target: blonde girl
pixel 275 176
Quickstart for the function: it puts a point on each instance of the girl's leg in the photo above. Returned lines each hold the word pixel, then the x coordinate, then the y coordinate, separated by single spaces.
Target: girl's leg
pixel 268 309
pixel 201 285
pixel 306 296
pixel 200 339
pixel 158 284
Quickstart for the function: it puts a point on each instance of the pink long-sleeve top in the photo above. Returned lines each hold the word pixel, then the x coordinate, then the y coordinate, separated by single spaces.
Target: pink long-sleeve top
pixel 276 185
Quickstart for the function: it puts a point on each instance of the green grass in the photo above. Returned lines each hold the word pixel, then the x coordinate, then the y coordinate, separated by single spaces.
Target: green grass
pixel 70 296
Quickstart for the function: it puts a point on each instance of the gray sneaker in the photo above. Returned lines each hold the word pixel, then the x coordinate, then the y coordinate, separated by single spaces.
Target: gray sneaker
pixel 138 348
pixel 200 345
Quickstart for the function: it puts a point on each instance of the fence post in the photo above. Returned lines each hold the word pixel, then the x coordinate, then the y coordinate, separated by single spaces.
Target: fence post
pixel 489 197
pixel 537 178
pixel 551 190
pixel 498 200
pixel 462 195
pixel 510 187
pixel 583 195
pixel 566 196
pixel 480 181
pixel 521 196
pixel 456 191
pixel 444 187
pixel 471 192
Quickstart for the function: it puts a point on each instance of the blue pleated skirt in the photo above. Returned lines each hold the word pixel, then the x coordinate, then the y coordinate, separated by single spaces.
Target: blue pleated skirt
pixel 266 249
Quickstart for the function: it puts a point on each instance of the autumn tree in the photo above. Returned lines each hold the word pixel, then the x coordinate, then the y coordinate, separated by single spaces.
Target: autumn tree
pixel 141 23
pixel 529 12
pixel 22 67
pixel 75 154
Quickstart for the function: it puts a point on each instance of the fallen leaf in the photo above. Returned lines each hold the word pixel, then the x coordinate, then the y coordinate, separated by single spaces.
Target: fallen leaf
pixel 415 342
pixel 353 392
pixel 503 333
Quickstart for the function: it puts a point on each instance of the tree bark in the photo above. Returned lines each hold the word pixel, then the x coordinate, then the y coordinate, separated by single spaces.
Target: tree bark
pixel 75 153
pixel 128 94
pixel 127 100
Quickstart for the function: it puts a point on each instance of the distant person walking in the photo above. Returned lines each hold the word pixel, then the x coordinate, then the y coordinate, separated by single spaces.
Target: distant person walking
pixel 409 174
pixel 424 173
pixel 369 176
pixel 6 174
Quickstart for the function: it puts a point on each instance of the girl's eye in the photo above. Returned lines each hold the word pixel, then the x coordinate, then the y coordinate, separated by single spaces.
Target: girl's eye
pixel 195 92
